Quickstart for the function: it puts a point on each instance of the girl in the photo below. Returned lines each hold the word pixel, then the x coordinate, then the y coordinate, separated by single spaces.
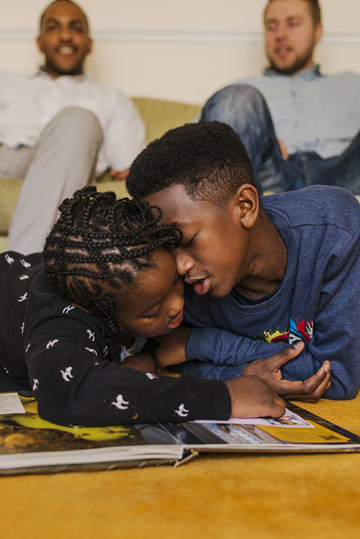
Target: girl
pixel 107 279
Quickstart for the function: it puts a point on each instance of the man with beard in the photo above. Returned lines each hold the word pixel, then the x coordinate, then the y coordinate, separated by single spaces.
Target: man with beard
pixel 298 126
pixel 58 129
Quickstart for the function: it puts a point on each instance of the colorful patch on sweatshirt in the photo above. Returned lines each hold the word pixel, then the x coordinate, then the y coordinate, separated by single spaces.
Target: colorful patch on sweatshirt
pixel 299 331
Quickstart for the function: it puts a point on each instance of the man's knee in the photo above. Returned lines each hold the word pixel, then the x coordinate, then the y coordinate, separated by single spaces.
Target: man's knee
pixel 239 99
pixel 75 122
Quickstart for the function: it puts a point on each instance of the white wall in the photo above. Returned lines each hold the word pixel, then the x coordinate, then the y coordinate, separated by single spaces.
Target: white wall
pixel 176 49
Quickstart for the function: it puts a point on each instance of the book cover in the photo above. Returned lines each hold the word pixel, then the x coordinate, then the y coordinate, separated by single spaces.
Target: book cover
pixel 29 444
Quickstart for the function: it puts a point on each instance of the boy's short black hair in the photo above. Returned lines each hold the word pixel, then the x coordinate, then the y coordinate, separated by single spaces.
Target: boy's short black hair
pixel 207 158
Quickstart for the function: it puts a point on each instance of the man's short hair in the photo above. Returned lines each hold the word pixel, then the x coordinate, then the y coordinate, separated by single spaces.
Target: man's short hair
pixel 42 16
pixel 207 158
pixel 314 6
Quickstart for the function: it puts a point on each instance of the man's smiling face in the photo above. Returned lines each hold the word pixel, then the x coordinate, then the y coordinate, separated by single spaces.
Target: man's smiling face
pixel 290 35
pixel 64 39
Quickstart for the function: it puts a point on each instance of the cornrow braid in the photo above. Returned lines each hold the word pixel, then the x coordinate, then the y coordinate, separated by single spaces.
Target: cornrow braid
pixel 99 245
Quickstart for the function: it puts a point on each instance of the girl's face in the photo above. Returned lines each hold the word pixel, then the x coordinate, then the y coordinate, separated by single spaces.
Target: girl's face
pixel 154 304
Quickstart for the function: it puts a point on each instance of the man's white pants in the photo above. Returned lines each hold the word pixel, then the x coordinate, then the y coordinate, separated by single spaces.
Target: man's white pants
pixel 63 161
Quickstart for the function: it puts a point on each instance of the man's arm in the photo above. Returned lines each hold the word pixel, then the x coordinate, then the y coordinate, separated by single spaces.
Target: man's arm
pixel 119 175
pixel 124 135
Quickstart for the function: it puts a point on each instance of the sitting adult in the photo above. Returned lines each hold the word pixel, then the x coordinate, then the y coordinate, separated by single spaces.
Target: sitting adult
pixel 298 126
pixel 58 129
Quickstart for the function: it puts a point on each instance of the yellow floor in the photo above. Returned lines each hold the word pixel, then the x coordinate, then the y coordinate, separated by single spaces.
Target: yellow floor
pixel 294 496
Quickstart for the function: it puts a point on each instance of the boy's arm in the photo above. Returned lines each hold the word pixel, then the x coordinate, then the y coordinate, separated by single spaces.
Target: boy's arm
pixel 232 353
pixel 269 369
pixel 336 330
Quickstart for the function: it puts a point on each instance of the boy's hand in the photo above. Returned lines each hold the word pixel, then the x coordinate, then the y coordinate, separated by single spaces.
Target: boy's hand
pixel 268 369
pixel 252 397
pixel 171 347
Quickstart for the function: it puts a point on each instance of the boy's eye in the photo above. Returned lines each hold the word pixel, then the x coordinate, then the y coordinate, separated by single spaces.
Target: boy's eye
pixel 189 243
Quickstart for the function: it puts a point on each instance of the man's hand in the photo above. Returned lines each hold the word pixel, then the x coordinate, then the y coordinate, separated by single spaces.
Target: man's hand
pixel 268 369
pixel 283 150
pixel 252 397
pixel 119 175
pixel 171 347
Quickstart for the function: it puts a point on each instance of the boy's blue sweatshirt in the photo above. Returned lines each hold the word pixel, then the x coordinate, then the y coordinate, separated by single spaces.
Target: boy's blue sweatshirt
pixel 318 300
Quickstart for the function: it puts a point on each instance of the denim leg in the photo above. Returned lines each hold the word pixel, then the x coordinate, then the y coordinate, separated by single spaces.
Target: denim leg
pixel 244 108
pixel 342 171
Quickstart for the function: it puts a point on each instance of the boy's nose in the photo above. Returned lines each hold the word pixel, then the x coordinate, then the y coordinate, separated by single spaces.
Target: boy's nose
pixel 183 262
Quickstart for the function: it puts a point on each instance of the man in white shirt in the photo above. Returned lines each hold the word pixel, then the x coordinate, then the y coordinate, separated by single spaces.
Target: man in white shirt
pixel 58 129
pixel 298 126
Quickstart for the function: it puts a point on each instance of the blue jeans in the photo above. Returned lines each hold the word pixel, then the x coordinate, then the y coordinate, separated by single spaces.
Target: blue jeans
pixel 245 109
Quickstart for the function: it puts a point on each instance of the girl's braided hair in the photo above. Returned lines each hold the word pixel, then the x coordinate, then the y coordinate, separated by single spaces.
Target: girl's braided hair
pixel 99 245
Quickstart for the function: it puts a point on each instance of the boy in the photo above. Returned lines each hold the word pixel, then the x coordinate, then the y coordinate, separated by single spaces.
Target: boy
pixel 282 270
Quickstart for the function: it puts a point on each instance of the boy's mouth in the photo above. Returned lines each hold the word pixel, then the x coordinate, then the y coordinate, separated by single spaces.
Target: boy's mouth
pixel 202 286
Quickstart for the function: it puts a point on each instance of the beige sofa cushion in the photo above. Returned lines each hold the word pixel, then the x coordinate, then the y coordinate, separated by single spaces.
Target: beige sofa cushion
pixel 160 115
pixel 9 192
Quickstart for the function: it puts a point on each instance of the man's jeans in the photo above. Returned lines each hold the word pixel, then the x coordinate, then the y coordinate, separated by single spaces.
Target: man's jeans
pixel 245 109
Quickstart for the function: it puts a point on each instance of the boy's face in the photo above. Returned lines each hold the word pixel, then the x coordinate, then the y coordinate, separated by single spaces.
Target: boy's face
pixel 213 256
pixel 154 304
pixel 290 35
pixel 64 39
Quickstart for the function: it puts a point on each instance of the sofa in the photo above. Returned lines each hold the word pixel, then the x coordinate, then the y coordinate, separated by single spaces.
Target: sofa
pixel 159 115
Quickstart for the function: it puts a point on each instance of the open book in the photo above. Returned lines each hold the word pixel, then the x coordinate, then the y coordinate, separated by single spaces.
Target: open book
pixel 29 444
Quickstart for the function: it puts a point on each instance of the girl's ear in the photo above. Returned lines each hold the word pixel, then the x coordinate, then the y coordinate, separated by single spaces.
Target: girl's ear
pixel 247 205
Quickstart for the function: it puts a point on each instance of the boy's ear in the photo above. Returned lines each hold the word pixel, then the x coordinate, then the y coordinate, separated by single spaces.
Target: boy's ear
pixel 247 205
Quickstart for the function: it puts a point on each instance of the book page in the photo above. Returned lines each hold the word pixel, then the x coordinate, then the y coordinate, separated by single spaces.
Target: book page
pixel 10 403
pixel 289 419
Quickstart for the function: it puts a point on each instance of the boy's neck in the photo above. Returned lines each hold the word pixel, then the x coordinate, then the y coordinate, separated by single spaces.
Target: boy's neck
pixel 269 262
